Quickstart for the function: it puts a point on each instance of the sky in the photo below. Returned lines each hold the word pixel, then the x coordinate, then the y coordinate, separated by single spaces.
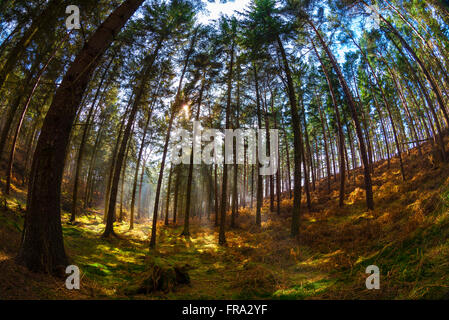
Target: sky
pixel 217 8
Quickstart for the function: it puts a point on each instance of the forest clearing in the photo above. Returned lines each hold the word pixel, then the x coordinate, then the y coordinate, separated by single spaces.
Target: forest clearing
pixel 224 150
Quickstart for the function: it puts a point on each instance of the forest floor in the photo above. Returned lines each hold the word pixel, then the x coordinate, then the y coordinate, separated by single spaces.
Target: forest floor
pixel 406 236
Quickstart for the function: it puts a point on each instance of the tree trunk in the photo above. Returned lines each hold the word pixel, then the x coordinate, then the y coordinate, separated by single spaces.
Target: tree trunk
pixel 390 115
pixel 186 230
pixel 341 139
pixel 216 195
pixel 236 168
pixel 175 201
pixel 42 248
pixel 278 172
pixel 21 118
pixel 88 189
pixel 350 100
pixel 269 179
pixel 12 110
pixel 297 143
pixel 113 163
pixel 259 195
pixel 167 204
pixel 80 157
pixel 424 92
pixel 287 152
pixel 136 174
pixel 142 174
pixel 159 181
pixel 326 149
pixel 305 165
pixel 145 76
pixel 122 188
pixel 221 234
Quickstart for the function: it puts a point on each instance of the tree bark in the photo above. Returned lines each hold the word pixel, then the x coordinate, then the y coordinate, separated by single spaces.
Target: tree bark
pixel 167 203
pixel 350 100
pixel 80 157
pixel 173 111
pixel 42 248
pixel 142 174
pixel 341 139
pixel 235 166
pixel 297 143
pixel 221 233
pixel 216 195
pixel 259 191
pixel 186 230
pixel 21 118
pixel 175 201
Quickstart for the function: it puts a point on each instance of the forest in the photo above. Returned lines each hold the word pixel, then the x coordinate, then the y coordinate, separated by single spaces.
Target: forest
pixel 101 100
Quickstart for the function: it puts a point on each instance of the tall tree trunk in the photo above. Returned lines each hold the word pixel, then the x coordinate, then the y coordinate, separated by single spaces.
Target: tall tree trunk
pixel 29 147
pixel 305 162
pixel 411 124
pixel 12 110
pixel 216 195
pixel 173 111
pixel 113 163
pixel 390 115
pixel 278 172
pixel 221 233
pixel 341 137
pixel 175 201
pixel 365 126
pixel 149 61
pixel 259 192
pixel 326 148
pixel 88 190
pixel 167 204
pixel 386 103
pixel 252 186
pixel 350 100
pixel 136 174
pixel 80 157
pixel 186 230
pixel 122 188
pixel 428 100
pixel 287 153
pixel 42 248
pixel 142 174
pixel 382 122
pixel 235 166
pixel 306 183
pixel 161 175
pixel 297 143
pixel 21 118
pixel 270 178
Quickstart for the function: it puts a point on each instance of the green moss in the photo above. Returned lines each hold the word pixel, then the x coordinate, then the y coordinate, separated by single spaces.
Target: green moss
pixel 303 291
